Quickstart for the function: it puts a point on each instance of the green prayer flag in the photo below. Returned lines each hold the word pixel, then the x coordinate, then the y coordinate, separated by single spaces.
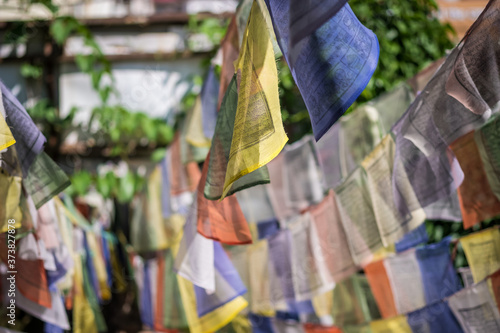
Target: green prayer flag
pixel 92 299
pixel 45 180
pixel 220 150
pixel 174 316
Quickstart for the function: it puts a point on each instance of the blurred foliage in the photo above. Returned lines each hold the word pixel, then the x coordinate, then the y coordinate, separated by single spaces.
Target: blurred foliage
pixel 125 130
pixel 31 71
pixel 410 38
pixel 109 185
pixel 47 117
pixel 95 63
pixel 213 29
pixel 122 129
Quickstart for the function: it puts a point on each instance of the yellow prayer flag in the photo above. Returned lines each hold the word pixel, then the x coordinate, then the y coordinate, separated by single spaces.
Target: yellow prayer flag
pixel 482 250
pixel 148 232
pixel 259 283
pixel 194 123
pixel 173 226
pixel 100 266
pixel 6 137
pixel 83 316
pixel 323 304
pixel 384 252
pixel 10 198
pixel 119 280
pixel 258 135
pixel 241 324
pixel 393 325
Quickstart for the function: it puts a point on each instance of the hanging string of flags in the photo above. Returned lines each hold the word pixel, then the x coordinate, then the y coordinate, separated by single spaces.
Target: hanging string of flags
pixel 270 237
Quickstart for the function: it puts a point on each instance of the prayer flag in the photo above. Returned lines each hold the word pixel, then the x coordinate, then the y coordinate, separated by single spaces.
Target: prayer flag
pixel 403 271
pixel 228 284
pixel 482 250
pixel 393 325
pixel 209 107
pixel 174 316
pixel 45 180
pixel 310 274
pixel 10 199
pixel 220 220
pixel 220 152
pixel 258 135
pixel 381 287
pixel 230 51
pixel 412 239
pixel 486 141
pixel 333 65
pixel 195 258
pixel 434 318
pixel 308 16
pixel 477 200
pixel 474 80
pixel 391 223
pixel 439 277
pixel 302 174
pixel 475 309
pixel 357 217
pixel 29 139
pixel 332 240
pixel 261 302
pixel 6 137
pixel 195 135
pixel 261 324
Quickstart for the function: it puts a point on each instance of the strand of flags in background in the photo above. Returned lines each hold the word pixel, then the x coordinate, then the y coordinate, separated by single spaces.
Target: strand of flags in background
pixel 269 237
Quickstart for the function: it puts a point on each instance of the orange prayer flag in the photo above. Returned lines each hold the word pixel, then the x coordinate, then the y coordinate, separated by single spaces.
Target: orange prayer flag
pixel 222 221
pixel 381 288
pixel 31 279
pixel 184 178
pixel 68 300
pixel 477 200
pixel 230 52
pixel 314 328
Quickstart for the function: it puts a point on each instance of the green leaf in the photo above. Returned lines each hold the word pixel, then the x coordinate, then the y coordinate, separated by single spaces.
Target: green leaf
pixel 31 71
pixel 62 27
pixel 165 134
pixel 96 79
pixel 85 62
pixel 106 184
pixel 114 134
pixel 158 155
pixel 80 182
pixel 127 188
pixel 105 92
pixel 149 128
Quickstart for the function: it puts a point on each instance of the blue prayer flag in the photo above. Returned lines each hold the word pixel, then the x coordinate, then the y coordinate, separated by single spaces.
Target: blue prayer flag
pixel 228 284
pixel 435 318
pixel 209 103
pixel 438 274
pixel 413 238
pixel 331 66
